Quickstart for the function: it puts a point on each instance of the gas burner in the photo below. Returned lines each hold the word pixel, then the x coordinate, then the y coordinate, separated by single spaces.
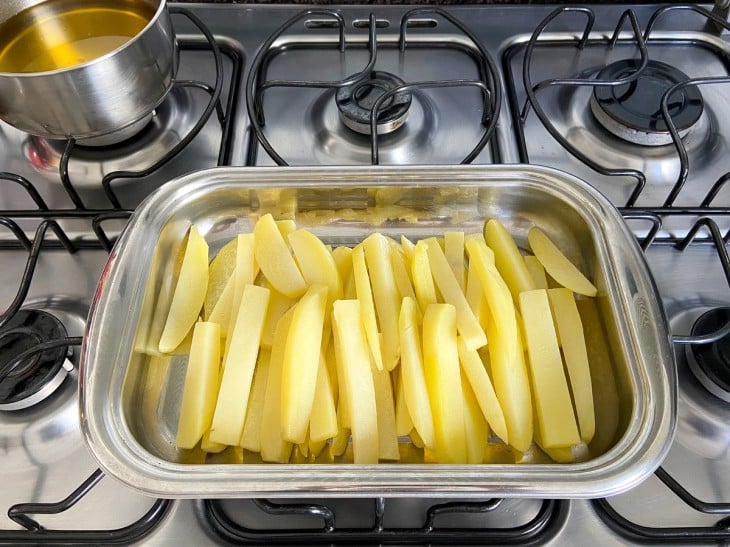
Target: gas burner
pixel 632 111
pixel 355 103
pixel 31 381
pixel 710 363
pixel 150 141
pixel 119 135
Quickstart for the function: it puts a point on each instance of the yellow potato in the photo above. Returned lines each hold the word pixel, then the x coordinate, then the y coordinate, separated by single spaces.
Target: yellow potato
pixel 245 272
pixel 340 441
pixel 206 445
pixel 400 273
pixel 330 361
pixel 537 272
pixel 385 408
pixel 557 264
pixel 468 325
pixel 570 334
pixel 422 278
pixel 454 251
pixel 273 447
pixel 443 380
pixel 219 274
pixel 385 296
pixel 238 367
pixel 412 374
pixel 403 421
pixel 275 260
pixel 316 262
pixel 251 436
pixel 476 429
pixel 553 406
pixel 408 247
pixel 301 360
pixel 357 379
pixel 367 306
pixel 201 385
pixel 476 373
pixel 286 227
pixel 343 260
pixel 508 259
pixel 221 312
pixel 187 300
pixel 278 306
pixel 323 421
pixel 509 373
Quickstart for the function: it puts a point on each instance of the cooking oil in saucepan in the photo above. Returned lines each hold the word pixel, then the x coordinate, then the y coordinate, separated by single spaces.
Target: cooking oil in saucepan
pixel 59 34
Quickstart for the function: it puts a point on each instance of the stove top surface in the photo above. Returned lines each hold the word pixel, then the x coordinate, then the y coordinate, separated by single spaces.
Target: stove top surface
pixel 284 110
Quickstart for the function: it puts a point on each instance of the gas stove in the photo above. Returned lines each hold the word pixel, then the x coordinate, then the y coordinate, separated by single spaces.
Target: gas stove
pixel 634 100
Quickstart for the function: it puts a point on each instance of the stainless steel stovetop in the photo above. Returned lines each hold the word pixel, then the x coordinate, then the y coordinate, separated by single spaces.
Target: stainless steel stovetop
pixel 279 64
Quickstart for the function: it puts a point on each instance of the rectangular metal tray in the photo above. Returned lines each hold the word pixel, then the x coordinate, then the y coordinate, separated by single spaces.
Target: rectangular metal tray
pixel 130 403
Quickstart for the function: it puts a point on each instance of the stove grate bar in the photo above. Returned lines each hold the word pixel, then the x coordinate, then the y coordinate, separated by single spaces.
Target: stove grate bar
pixel 550 518
pixel 37 534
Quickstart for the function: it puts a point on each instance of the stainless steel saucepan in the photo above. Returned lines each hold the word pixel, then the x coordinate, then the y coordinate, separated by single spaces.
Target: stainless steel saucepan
pixel 104 96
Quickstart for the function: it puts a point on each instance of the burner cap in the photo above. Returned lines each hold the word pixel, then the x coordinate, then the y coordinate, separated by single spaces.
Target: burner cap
pixel 633 111
pixel 356 101
pixel 710 363
pixel 35 379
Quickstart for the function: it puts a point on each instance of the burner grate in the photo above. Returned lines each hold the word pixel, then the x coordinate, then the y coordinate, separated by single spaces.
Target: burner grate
pixel 549 519
pixel 488 85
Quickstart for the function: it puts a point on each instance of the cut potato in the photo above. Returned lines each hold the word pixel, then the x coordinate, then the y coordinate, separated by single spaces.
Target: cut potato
pixel 403 421
pixel 221 312
pixel 454 251
pixel 385 408
pixel 206 445
pixel 557 264
pixel 443 380
pixel 301 360
pixel 189 295
pixel 201 385
pixel 219 275
pixel 238 367
pixel 355 372
pixel 367 306
pixel 273 447
pixel 408 247
pixel 323 421
pixel 570 334
pixel 251 436
pixel 537 272
pixel 509 373
pixel 316 262
pixel 278 306
pixel 245 272
pixel 340 441
pixel 553 406
pixel 412 374
pixel 476 373
pixel 400 273
pixel 475 294
pixel 422 278
pixel 476 430
pixel 286 227
pixel 468 325
pixel 275 260
pixel 385 296
pixel 343 260
pixel 508 259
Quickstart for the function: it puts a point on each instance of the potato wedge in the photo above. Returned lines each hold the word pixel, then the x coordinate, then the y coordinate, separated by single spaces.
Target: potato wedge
pixel 301 360
pixel 273 447
pixel 443 380
pixel 553 405
pixel 206 445
pixel 454 251
pixel 189 295
pixel 412 374
pixel 238 367
pixel 219 274
pixel 343 260
pixel 316 262
pixel 509 372
pixel 468 325
pixel 251 436
pixel 557 264
pixel 278 306
pixel 537 272
pixel 385 408
pixel 422 279
pixel 508 259
pixel 367 306
pixel 385 296
pixel 570 334
pixel 275 260
pixel 356 375
pixel 403 421
pixel 476 430
pixel 221 312
pixel 476 373
pixel 408 247
pixel 323 420
pixel 201 385
pixel 400 273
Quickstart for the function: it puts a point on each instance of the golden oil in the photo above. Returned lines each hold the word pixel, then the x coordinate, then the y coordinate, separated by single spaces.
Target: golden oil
pixel 60 34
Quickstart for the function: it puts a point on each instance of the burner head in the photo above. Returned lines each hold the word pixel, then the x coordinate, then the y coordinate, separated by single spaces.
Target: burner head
pixel 710 363
pixel 38 377
pixel 355 103
pixel 633 112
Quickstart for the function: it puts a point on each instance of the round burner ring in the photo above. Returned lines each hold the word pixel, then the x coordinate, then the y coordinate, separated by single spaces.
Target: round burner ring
pixel 632 111
pixel 355 103
pixel 37 378
pixel 710 363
